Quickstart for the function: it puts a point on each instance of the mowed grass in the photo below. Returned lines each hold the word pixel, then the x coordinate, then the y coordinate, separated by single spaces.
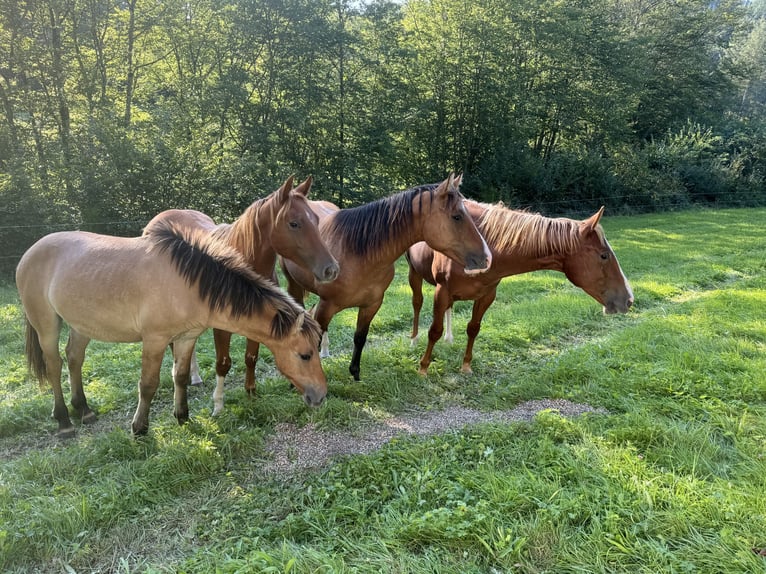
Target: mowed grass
pixel 670 480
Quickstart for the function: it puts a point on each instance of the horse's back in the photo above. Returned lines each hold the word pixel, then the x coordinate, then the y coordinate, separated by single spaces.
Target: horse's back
pixel 103 286
pixel 186 218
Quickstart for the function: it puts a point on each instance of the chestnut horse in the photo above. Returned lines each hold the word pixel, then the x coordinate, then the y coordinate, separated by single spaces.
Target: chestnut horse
pixel 520 242
pixel 367 240
pixel 279 224
pixel 168 286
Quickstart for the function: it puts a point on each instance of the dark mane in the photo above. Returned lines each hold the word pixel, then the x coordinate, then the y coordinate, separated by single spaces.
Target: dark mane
pixel 369 227
pixel 223 278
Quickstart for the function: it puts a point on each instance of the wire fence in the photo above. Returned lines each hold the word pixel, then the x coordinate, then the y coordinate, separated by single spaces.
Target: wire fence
pixel 623 205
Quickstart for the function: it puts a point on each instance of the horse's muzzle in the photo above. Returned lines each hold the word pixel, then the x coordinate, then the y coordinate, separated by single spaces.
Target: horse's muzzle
pixel 314 398
pixel 329 273
pixel 615 306
pixel 475 264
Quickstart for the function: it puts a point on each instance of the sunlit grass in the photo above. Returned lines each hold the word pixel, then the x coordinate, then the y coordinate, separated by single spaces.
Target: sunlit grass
pixel 670 480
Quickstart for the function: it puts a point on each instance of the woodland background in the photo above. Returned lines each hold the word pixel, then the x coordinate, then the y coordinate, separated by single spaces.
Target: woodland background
pixel 113 110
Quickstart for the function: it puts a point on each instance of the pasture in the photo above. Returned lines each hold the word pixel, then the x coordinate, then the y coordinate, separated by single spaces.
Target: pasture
pixel 667 474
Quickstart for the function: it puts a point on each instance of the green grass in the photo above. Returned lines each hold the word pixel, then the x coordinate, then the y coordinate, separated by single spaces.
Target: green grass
pixel 670 480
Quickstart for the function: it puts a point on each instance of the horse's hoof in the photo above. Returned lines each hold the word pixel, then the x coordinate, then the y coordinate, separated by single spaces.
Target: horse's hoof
pixel 196 382
pixel 139 431
pixel 89 418
pixel 66 433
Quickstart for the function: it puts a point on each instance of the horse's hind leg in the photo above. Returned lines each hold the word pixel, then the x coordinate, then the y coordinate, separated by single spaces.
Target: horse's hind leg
pixel 416 285
pixel 75 355
pixel 48 342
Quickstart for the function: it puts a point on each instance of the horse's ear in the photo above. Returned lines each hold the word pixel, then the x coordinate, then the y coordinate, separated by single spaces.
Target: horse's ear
pixel 283 193
pixel 458 180
pixel 305 187
pixel 591 223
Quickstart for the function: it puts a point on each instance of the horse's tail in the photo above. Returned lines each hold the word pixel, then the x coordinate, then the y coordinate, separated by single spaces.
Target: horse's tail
pixel 34 352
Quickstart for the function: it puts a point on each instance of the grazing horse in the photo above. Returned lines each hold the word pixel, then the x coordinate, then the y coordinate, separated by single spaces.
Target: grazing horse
pixel 167 286
pixel 367 240
pixel 520 242
pixel 279 224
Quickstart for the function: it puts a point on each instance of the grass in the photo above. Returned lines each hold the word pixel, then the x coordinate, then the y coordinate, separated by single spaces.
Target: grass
pixel 671 480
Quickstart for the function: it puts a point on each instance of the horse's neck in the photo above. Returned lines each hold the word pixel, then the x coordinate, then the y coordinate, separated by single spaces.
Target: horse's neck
pixel 250 235
pixel 530 250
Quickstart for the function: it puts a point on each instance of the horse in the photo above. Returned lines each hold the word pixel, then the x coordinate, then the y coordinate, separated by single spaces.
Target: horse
pixel 368 239
pixel 280 224
pixel 520 242
pixel 166 286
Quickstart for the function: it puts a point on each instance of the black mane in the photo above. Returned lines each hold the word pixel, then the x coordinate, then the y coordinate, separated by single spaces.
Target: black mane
pixel 223 277
pixel 369 227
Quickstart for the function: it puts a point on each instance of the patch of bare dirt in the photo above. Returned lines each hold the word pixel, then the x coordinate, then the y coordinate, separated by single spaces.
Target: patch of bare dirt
pixel 294 449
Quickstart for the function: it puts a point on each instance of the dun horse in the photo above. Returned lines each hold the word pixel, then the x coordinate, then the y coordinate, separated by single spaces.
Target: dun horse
pixel 520 242
pixel 167 286
pixel 367 241
pixel 279 224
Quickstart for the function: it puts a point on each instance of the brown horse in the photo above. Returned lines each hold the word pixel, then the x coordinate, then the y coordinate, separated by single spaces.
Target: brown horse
pixel 367 240
pixel 279 224
pixel 167 286
pixel 520 242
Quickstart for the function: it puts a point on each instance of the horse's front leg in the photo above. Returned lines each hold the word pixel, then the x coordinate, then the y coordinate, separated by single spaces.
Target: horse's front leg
pixel 251 358
pixel 182 353
pixel 480 307
pixel 442 302
pixel 416 285
pixel 75 356
pixel 363 319
pixel 323 312
pixel 222 341
pixel 151 361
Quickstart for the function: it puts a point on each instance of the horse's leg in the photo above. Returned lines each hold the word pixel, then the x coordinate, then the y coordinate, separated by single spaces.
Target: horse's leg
pixel 222 341
pixel 75 355
pixel 151 361
pixel 323 312
pixel 442 302
pixel 182 354
pixel 416 284
pixel 47 339
pixel 196 378
pixel 480 307
pixel 448 338
pixel 363 319
pixel 251 357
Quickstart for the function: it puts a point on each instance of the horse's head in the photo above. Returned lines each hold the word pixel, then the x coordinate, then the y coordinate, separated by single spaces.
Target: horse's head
pixel 295 234
pixel 450 229
pixel 594 268
pixel 297 357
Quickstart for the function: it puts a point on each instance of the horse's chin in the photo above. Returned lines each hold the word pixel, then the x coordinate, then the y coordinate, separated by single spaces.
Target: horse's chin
pixel 476 271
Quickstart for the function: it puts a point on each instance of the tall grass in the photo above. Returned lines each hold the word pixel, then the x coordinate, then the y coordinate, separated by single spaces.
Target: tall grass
pixel 670 480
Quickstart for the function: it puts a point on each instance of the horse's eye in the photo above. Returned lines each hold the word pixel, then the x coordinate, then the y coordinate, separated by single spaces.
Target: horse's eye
pixel 458 217
pixel 306 356
pixel 294 225
pixel 605 255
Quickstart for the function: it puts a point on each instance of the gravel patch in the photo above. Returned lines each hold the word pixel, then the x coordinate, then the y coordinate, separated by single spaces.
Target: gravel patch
pixel 294 449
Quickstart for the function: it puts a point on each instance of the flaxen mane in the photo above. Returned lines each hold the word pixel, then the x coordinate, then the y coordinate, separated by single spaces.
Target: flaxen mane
pixel 530 233
pixel 225 280
pixel 244 234
pixel 366 229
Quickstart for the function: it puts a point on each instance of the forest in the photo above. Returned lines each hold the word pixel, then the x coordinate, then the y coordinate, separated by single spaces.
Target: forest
pixel 114 110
